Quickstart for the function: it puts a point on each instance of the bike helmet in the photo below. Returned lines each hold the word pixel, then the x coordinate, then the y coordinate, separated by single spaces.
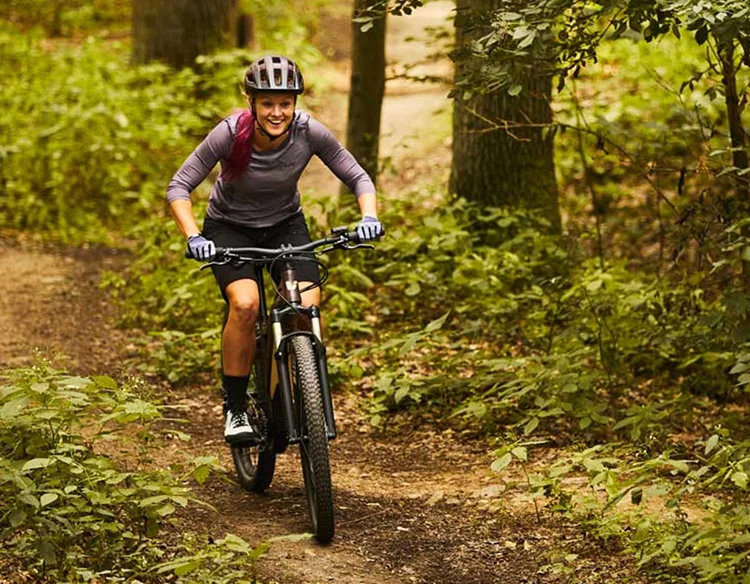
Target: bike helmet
pixel 274 73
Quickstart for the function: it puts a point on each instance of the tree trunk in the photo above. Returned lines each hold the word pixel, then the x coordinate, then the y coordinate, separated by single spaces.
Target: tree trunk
pixel 245 31
pixel 367 86
pixel 738 138
pixel 503 145
pixel 56 27
pixel 734 118
pixel 177 31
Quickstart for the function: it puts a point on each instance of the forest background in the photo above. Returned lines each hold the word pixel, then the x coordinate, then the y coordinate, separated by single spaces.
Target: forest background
pixel 573 293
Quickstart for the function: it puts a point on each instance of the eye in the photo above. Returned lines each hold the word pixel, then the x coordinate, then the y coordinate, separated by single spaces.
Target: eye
pixel 286 104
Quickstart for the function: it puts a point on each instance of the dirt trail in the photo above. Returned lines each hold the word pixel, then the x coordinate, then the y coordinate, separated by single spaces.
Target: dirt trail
pixel 412 506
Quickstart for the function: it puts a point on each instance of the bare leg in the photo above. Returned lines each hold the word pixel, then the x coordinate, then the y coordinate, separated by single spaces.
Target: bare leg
pixel 238 339
pixel 311 297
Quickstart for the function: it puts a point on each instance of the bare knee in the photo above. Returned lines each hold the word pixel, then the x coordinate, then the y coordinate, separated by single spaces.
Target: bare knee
pixel 244 303
pixel 243 311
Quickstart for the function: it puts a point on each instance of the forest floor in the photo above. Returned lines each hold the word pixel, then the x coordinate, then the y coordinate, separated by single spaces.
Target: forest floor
pixel 414 504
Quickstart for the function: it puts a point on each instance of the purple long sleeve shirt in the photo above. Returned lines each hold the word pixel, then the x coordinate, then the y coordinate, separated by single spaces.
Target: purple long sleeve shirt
pixel 267 192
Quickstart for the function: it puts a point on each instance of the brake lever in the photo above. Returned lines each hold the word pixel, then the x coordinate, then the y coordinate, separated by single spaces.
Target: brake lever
pixel 225 261
pixel 358 246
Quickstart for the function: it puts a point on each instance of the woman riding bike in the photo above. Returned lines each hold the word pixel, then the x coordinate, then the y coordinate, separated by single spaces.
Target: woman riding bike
pixel 256 203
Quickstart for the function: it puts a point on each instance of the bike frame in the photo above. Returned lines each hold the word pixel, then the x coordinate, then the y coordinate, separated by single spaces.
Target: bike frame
pixel 275 337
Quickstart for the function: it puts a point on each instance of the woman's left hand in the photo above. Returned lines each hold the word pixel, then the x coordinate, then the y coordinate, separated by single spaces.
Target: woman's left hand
pixel 369 229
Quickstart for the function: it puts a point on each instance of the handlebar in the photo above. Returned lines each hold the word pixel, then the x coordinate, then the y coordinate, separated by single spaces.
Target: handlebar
pixel 340 238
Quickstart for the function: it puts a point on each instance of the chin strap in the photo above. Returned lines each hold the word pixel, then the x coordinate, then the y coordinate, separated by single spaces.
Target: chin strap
pixel 270 136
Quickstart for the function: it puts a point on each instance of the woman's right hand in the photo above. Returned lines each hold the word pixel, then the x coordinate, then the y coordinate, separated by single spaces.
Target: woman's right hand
pixel 201 248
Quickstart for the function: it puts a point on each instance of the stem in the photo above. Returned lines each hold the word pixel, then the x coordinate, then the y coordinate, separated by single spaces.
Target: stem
pixel 589 184
pixel 528 482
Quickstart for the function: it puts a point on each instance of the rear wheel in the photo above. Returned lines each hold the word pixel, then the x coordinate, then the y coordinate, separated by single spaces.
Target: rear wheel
pixel 316 468
pixel 256 463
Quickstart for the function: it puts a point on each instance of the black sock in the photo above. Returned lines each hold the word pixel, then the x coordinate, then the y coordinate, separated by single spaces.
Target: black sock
pixel 235 390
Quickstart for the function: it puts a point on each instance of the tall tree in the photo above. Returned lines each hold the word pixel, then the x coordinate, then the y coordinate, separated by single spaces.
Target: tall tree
pixel 177 31
pixel 367 83
pixel 502 138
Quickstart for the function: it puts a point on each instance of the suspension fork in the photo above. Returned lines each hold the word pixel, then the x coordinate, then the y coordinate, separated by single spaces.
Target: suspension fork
pixel 281 355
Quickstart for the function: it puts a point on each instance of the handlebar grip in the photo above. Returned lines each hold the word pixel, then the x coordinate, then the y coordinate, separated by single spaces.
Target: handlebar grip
pixel 189 255
pixel 353 237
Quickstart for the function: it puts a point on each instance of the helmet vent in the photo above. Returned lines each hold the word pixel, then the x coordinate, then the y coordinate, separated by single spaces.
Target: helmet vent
pixel 274 73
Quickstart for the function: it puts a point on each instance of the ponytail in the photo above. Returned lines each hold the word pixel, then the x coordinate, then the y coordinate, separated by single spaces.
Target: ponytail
pixel 239 157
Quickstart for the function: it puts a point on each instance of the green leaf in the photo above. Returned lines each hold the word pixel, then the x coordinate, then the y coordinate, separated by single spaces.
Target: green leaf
pixel 201 474
pixel 180 566
pixel 739 478
pixel 500 463
pixel 741 367
pixel 701 35
pixel 520 453
pixel 413 289
pixel 165 510
pixel 437 323
pixel 47 553
pixel 36 463
pixel 75 382
pixel 16 517
pixel 148 501
pixel 234 543
pixel 593 465
pixel 711 443
pixel 527 40
pixel 530 426
pixel 401 393
pixel 104 381
pixel 29 499
pixel 13 408
pixel 515 89
pixel 48 498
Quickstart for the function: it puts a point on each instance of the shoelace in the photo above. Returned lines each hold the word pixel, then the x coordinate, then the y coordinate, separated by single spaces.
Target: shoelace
pixel 239 418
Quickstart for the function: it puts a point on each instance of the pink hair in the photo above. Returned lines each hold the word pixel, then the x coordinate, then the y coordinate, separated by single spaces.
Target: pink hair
pixel 239 157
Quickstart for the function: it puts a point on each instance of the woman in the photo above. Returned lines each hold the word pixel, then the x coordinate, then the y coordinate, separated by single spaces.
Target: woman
pixel 256 203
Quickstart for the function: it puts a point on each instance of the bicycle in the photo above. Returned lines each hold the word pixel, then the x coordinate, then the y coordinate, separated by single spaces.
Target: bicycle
pixel 290 378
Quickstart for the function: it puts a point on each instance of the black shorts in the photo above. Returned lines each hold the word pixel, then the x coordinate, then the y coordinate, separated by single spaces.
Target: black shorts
pixel 292 231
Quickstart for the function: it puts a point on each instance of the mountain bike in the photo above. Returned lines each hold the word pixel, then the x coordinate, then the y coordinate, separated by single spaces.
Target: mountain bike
pixel 290 395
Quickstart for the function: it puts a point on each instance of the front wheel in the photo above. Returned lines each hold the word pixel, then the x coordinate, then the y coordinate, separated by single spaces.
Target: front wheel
pixel 316 468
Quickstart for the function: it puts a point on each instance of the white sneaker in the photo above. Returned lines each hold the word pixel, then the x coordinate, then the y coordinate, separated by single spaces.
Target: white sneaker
pixel 238 428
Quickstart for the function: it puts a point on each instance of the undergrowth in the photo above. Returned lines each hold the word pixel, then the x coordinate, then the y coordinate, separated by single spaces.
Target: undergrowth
pixel 73 513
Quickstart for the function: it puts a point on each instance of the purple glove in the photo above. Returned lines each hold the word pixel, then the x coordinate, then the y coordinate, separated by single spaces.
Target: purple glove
pixel 201 248
pixel 369 229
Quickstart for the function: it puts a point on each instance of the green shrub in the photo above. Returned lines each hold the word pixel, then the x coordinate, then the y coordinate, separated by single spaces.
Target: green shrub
pixel 68 509
pixel 71 513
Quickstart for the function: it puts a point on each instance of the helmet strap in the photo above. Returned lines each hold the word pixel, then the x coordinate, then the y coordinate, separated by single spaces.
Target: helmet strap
pixel 271 137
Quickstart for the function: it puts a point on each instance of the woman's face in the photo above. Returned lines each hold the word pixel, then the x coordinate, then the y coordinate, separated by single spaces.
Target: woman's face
pixel 275 111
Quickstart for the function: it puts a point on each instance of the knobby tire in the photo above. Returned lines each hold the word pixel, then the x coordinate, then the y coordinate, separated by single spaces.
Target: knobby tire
pixel 316 468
